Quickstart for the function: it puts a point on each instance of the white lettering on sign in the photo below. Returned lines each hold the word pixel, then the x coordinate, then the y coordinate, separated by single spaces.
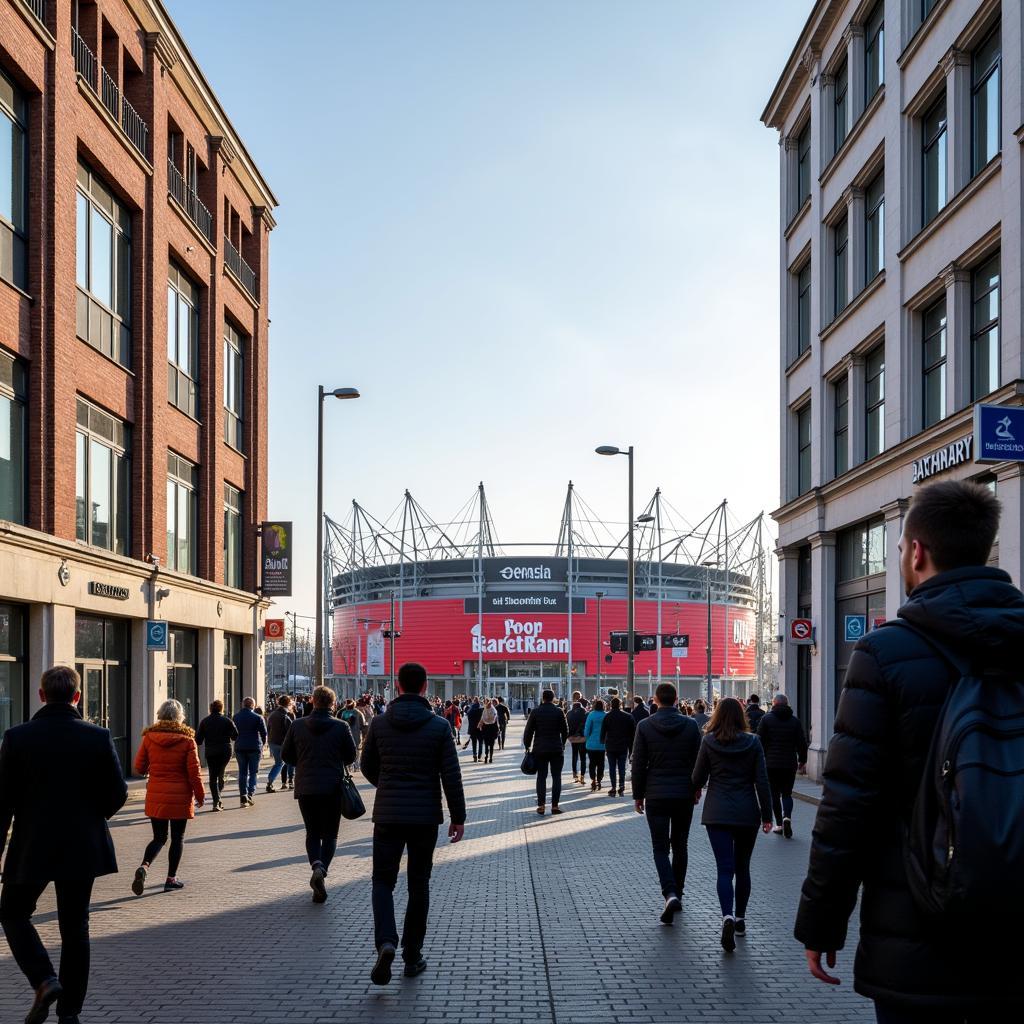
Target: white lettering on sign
pixel 939 461
pixel 742 635
pixel 520 638
pixel 525 572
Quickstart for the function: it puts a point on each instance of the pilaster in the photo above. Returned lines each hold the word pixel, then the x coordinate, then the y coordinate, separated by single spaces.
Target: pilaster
pixel 823 611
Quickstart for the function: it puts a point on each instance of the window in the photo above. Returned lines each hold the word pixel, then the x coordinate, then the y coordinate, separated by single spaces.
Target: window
pixel 840 237
pixel 233 381
pixel 102 479
pixel 182 514
pixel 13 457
pixel 13 679
pixel 933 172
pixel 985 102
pixel 925 9
pixel 933 363
pixel 985 328
pixel 232 673
pixel 182 671
pixel 839 105
pixel 103 268
pixel 232 536
pixel 874 402
pixel 182 342
pixel 803 165
pixel 803 450
pixel 874 51
pixel 13 185
pixel 874 227
pixel 862 551
pixel 803 309
pixel 841 425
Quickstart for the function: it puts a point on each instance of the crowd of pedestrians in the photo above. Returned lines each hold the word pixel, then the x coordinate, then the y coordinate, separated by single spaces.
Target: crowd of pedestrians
pixel 927 950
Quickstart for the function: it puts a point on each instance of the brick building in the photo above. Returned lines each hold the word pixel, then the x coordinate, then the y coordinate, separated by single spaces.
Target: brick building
pixel 134 235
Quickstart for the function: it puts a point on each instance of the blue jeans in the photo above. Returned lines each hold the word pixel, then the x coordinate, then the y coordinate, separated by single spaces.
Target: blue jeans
pixel 733 847
pixel 248 766
pixel 275 768
pixel 617 761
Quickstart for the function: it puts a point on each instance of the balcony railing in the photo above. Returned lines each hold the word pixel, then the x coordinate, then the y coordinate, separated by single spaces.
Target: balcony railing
pixel 38 8
pixel 238 266
pixel 85 59
pixel 189 201
pixel 110 94
pixel 135 128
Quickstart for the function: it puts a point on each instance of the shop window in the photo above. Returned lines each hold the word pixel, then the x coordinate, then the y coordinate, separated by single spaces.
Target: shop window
pixel 182 671
pixel 13 680
pixel 232 673
pixel 13 452
pixel 102 661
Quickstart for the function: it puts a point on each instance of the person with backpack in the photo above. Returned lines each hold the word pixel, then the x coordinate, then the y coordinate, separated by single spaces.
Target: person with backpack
pixel 921 812
pixel 785 751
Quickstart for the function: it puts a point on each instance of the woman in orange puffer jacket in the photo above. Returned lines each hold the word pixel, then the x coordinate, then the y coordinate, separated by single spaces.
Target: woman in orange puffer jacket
pixel 169 756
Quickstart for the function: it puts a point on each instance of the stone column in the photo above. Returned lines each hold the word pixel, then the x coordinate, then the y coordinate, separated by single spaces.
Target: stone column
pixel 854 39
pixel 855 248
pixel 956 66
pixel 827 120
pixel 958 337
pixel 51 641
pixel 894 513
pixel 823 661
pixel 856 411
pixel 789 587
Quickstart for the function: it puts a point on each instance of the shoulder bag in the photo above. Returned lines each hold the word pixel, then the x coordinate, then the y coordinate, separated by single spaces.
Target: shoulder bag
pixel 352 805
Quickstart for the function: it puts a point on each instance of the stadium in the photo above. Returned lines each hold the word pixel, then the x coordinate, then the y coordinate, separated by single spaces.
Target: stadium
pixel 511 619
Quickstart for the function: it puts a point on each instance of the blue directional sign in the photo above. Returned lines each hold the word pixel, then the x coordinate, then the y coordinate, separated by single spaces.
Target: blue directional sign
pixel 856 627
pixel 156 635
pixel 998 433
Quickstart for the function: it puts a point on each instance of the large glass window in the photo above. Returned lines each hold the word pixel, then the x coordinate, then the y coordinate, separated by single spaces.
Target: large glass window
pixel 840 105
pixel 102 479
pixel 13 185
pixel 862 550
pixel 182 671
pixel 232 673
pixel 874 401
pixel 840 238
pixel 803 309
pixel 874 51
pixel 182 514
pixel 985 108
pixel 803 450
pixel 803 165
pixel 841 425
pixel 232 536
pixel 933 362
pixel 874 227
pixel 13 681
pixel 103 662
pixel 103 268
pixel 12 439
pixel 182 342
pixel 233 384
pixel 985 328
pixel 933 173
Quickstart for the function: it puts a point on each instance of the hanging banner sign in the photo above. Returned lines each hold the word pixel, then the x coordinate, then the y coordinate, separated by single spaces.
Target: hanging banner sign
pixel 276 561
pixel 375 654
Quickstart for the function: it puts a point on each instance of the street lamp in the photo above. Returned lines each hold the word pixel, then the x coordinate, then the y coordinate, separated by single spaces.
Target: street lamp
pixel 318 650
pixel 608 449
pixel 599 595
pixel 709 564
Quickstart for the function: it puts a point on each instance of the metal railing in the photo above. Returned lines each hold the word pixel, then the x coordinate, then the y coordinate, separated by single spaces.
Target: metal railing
pixel 189 201
pixel 238 266
pixel 135 128
pixel 110 94
pixel 38 8
pixel 85 59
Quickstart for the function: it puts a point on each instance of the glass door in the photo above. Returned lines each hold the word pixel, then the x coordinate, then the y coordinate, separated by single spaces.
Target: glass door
pixel 101 653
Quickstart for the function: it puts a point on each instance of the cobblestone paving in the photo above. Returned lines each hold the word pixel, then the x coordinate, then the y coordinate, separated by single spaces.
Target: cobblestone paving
pixel 545 921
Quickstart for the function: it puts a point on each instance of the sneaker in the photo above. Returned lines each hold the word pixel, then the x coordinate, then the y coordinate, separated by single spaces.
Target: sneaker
pixel 381 973
pixel 672 907
pixel 139 881
pixel 622 791
pixel 612 792
pixel 741 926
pixel 172 883
pixel 270 788
pixel 414 967
pixel 777 830
pixel 249 800
pixel 556 810
pixel 787 828
pixel 216 806
pixel 593 787
pixel 728 933
pixel 316 883
pixel 48 992
pixel 540 810
pixel 244 801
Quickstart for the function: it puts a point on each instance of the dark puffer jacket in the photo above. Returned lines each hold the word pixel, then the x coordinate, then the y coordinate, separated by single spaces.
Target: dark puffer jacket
pixel 664 756
pixel 783 739
pixel 278 724
pixel 576 719
pixel 320 746
pixel 894 690
pixel 617 731
pixel 754 715
pixel 547 729
pixel 738 794
pixel 409 754
pixel 217 731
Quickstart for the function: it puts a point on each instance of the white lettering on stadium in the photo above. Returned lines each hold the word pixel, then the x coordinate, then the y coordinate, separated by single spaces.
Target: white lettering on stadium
pixel 525 572
pixel 519 638
pixel 741 633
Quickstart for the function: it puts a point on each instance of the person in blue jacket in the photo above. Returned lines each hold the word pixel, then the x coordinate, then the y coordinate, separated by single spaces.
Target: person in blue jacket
pixel 595 748
pixel 252 737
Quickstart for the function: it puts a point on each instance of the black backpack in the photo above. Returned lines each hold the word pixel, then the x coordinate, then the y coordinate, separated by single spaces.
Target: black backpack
pixel 964 849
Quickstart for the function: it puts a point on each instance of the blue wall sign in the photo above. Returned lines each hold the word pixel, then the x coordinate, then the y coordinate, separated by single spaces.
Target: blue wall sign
pixel 998 433
pixel 856 627
pixel 156 635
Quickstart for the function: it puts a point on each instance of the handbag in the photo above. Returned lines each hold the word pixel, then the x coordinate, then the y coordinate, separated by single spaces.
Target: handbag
pixel 352 805
pixel 529 765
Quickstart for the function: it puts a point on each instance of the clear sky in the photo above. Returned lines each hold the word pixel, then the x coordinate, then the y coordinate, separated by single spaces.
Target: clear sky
pixel 522 229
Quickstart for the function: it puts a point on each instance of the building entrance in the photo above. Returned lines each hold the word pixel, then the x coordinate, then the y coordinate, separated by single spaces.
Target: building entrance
pixel 101 659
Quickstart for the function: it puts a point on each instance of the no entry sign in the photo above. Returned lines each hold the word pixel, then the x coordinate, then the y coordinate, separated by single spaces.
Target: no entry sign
pixel 801 631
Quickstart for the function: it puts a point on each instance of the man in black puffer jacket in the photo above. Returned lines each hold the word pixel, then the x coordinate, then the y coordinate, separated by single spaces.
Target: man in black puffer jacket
pixel 617 732
pixel 785 750
pixel 409 755
pixel 914 968
pixel 546 733
pixel 754 712
pixel 664 754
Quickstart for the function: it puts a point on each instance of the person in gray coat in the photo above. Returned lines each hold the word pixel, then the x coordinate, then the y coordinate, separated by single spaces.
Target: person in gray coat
pixel 731 763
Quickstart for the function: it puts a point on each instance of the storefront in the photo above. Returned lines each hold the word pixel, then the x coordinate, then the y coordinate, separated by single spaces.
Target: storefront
pixel 103 661
pixel 183 671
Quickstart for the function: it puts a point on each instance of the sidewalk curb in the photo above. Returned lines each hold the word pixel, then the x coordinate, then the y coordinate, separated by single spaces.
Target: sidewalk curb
pixel 808 798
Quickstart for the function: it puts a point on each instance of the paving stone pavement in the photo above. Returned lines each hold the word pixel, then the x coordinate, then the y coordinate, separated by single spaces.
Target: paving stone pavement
pixel 532 921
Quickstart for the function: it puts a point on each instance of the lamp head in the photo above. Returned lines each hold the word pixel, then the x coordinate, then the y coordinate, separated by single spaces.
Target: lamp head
pixel 346 392
pixel 607 449
pixel 645 519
